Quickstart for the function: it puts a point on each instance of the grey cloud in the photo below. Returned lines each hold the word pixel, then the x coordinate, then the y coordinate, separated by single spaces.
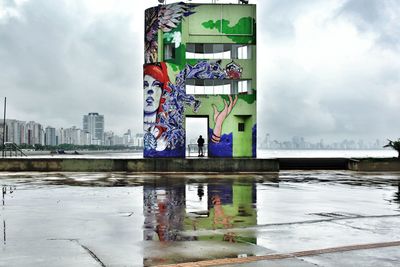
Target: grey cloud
pixel 59 63
pixel 382 17
pixel 9 3
pixel 318 106
pixel 276 17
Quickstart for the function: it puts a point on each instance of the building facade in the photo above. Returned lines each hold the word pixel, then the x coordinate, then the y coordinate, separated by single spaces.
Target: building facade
pixel 200 61
pixel 93 123
pixel 50 137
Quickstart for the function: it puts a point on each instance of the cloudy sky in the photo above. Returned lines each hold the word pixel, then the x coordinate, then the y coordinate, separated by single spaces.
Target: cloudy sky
pixel 326 68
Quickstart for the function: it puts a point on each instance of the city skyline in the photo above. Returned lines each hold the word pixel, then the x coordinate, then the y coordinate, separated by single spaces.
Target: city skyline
pixel 266 141
pixel 328 69
pixel 35 133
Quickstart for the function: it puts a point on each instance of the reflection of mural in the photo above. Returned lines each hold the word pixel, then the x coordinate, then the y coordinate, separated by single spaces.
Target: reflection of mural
pixel 233 70
pixel 164 18
pixel 164 211
pixel 228 206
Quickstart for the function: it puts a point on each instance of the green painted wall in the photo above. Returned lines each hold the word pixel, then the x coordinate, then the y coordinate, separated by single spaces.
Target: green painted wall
pixel 219 24
pixel 244 111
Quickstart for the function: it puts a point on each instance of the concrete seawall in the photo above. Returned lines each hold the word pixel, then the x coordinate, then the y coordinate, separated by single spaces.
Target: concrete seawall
pixel 141 165
pixel 202 165
pixel 313 163
pixel 375 165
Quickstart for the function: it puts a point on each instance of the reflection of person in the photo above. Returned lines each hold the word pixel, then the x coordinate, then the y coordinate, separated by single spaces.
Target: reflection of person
pixel 155 83
pixel 220 116
pixel 200 144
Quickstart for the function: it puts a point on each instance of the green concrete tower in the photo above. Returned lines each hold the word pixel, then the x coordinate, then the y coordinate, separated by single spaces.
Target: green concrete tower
pixel 200 61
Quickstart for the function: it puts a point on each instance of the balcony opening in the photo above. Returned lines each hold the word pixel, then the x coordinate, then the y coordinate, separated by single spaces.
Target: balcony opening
pixel 218 51
pixel 196 126
pixel 217 87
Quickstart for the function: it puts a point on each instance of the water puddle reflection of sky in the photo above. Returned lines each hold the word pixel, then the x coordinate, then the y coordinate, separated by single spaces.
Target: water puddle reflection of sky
pixel 84 219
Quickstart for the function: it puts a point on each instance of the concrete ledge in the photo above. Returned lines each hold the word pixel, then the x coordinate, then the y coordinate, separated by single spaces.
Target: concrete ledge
pixel 375 165
pixel 313 163
pixel 192 165
pixel 221 165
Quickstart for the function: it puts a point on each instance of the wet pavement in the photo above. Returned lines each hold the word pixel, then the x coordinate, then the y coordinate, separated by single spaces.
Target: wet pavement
pixel 119 219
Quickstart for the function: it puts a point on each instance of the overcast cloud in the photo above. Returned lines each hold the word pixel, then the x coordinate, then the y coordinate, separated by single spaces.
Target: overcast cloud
pixel 326 69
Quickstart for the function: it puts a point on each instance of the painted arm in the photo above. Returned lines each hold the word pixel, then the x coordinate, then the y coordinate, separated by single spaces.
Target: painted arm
pixel 220 116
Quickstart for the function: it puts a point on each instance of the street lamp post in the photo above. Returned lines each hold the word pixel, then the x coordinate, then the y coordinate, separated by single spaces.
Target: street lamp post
pixel 4 127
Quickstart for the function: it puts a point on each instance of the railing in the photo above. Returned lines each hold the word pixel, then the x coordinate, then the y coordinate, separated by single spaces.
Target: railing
pixel 193 149
pixel 11 149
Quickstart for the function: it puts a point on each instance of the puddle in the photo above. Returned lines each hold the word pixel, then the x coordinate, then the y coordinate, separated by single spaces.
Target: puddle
pixel 135 220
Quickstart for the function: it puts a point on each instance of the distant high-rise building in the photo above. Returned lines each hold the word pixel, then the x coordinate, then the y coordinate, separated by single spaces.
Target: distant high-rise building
pixel 93 123
pixel 127 138
pixel 50 136
pixel 34 133
pixel 108 138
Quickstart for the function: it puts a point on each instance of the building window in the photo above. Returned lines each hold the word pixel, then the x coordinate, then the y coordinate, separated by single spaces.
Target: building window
pixel 241 127
pixel 169 51
pixel 218 51
pixel 217 87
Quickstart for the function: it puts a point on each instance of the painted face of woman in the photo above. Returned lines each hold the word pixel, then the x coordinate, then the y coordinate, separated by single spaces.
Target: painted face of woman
pixel 152 94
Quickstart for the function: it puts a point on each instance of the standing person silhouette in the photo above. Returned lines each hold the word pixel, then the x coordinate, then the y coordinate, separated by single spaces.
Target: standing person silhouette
pixel 200 144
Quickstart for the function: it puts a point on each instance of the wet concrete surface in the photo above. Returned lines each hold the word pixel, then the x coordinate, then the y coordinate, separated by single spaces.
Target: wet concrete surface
pixel 122 219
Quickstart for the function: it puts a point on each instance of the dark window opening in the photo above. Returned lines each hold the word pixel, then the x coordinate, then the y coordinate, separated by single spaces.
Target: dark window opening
pixel 218 51
pixel 169 51
pixel 241 127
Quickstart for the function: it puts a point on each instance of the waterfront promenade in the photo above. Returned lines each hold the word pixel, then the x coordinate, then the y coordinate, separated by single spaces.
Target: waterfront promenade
pixel 290 218
pixel 195 165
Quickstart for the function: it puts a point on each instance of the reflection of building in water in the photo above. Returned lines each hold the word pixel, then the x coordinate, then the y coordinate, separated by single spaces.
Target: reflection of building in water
pixel 229 206
pixel 167 214
pixel 164 211
pixel 171 211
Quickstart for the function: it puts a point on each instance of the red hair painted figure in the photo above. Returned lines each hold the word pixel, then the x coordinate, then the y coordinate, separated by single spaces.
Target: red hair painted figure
pixel 155 84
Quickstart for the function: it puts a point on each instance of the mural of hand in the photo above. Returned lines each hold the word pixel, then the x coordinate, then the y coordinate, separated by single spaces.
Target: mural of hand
pixel 220 116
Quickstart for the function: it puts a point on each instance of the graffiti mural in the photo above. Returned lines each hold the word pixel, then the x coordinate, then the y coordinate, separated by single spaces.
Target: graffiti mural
pixel 163 112
pixel 164 212
pixel 245 26
pixel 233 70
pixel 164 106
pixel 165 18
pixel 221 144
pixel 169 30
pixel 220 116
